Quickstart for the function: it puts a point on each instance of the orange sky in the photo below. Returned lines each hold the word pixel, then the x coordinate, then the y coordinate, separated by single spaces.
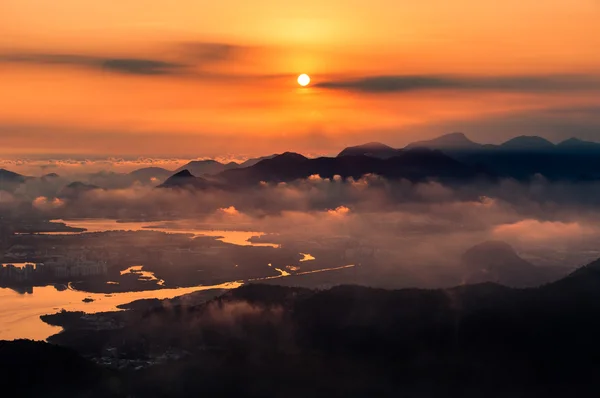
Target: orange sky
pixel 199 78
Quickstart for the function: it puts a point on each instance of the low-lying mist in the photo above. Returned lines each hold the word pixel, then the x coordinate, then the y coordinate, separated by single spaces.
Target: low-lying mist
pixel 407 225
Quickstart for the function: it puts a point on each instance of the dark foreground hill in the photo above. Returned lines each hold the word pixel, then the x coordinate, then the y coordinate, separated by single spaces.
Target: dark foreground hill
pixel 271 341
pixel 37 369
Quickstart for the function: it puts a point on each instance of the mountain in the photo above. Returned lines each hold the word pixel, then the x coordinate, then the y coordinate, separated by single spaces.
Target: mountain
pixel 7 176
pixel 554 163
pixel 497 262
pixel 357 341
pixel 185 180
pixel 208 166
pixel 75 189
pixel 414 165
pixel 253 161
pixel 39 369
pixel 528 143
pixel 452 141
pixel 374 149
pixel 575 144
pixel 147 174
pixel 524 157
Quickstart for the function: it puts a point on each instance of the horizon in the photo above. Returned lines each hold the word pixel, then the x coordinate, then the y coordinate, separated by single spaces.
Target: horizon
pixel 50 164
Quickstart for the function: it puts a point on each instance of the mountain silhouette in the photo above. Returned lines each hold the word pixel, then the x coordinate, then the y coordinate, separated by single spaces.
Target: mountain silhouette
pixel 528 143
pixel 75 189
pixel 454 141
pixel 147 173
pixel 415 165
pixel 524 157
pixel 11 177
pixel 374 149
pixel 208 166
pixel 253 161
pixel 185 180
pixel 497 262
pixel 575 144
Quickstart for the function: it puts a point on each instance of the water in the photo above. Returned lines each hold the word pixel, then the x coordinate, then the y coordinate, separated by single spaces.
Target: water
pixel 143 275
pixel 17 265
pixel 307 257
pixel 232 236
pixel 20 313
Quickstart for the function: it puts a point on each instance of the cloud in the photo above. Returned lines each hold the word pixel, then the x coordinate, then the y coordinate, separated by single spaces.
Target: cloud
pixel 406 83
pixel 81 168
pixel 230 211
pixel 192 59
pixel 45 204
pixel 126 65
pixel 420 230
pixel 213 52
pixel 531 231
pixel 141 66
pixel 339 211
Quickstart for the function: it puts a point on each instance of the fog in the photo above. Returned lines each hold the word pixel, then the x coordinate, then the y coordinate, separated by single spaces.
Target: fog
pixel 417 223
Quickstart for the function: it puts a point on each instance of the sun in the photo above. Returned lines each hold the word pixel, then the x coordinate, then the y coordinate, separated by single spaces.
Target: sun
pixel 303 80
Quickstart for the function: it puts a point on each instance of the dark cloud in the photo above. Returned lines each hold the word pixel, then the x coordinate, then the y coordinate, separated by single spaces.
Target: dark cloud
pixel 213 52
pixel 141 66
pixel 134 66
pixel 405 83
pixel 192 60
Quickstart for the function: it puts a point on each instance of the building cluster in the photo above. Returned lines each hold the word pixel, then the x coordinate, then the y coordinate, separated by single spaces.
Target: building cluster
pixel 12 272
pixel 53 270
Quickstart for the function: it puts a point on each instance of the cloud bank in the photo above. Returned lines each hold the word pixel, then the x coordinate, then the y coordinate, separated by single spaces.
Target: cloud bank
pixel 407 83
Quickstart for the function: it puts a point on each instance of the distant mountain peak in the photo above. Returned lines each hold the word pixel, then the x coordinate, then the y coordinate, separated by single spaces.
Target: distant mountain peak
pixel 495 246
pixel 292 155
pixel 10 175
pixel 496 261
pixel 75 189
pixel 373 149
pixel 576 143
pixel 204 161
pixel 81 186
pixel 528 142
pixel 206 166
pixel 455 140
pixel 572 140
pixel 286 157
pixel 375 145
pixel 453 137
pixel 185 179
pixel 185 173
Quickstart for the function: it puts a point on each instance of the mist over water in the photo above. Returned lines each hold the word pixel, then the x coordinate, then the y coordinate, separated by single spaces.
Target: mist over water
pixel 397 233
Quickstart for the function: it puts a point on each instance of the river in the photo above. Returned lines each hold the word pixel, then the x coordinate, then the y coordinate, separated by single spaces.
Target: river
pixel 233 236
pixel 20 311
